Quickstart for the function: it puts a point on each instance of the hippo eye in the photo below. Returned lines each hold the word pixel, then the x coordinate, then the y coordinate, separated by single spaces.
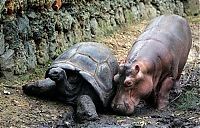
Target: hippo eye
pixel 129 71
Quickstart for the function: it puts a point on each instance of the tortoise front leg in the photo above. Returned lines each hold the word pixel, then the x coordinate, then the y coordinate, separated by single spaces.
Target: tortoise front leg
pixel 40 88
pixel 86 109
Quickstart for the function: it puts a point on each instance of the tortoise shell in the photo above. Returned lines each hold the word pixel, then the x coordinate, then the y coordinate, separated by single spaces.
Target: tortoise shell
pixel 94 62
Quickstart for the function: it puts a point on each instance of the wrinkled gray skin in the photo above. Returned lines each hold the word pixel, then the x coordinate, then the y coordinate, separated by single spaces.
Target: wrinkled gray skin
pixel 81 76
pixel 67 89
pixel 154 64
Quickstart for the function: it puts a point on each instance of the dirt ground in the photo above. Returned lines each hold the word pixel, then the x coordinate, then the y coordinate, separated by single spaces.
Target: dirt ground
pixel 20 111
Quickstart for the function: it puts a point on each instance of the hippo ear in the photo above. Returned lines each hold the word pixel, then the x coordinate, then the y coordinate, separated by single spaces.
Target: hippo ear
pixel 136 69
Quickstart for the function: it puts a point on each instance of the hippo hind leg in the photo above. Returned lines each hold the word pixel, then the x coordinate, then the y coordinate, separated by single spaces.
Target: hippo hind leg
pixel 163 94
pixel 86 109
pixel 41 88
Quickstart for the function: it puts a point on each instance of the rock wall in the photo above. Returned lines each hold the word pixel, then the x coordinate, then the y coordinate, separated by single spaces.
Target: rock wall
pixel 33 33
pixel 191 7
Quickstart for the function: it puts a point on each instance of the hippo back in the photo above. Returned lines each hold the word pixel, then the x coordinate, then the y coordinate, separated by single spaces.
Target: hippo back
pixel 164 33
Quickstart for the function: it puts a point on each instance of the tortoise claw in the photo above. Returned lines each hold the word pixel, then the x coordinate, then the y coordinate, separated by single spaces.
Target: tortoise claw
pixel 31 88
pixel 86 110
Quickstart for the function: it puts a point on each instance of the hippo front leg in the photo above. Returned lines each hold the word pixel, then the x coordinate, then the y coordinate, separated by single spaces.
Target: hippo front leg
pixel 86 109
pixel 40 88
pixel 163 94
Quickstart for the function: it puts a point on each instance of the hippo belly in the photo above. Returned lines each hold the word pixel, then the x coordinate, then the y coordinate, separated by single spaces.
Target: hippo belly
pixel 154 64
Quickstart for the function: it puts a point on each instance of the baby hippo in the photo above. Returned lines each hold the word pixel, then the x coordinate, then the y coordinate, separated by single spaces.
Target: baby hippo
pixel 154 64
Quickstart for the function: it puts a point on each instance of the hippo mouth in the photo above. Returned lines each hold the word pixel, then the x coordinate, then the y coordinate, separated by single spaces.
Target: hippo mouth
pixel 123 109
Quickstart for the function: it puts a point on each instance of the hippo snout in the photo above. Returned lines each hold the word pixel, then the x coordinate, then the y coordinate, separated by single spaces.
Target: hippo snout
pixel 122 108
pixel 118 108
pixel 124 103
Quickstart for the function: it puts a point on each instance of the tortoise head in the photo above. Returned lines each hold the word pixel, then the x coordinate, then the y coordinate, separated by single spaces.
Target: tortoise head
pixel 57 74
pixel 67 80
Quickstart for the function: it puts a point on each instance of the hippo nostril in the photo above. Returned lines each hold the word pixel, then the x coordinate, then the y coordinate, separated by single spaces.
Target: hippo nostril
pixel 126 105
pixel 127 83
pixel 117 106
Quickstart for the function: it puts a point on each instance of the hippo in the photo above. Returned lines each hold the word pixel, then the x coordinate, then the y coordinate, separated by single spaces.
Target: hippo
pixel 153 65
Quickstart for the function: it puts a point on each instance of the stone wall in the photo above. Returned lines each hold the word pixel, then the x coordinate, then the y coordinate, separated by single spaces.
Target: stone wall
pixel 34 33
pixel 191 7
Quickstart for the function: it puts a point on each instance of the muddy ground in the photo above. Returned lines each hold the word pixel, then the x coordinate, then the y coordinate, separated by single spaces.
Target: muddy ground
pixel 20 111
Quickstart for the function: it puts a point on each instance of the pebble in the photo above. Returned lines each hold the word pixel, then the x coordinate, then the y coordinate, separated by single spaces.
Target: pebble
pixel 6 92
pixel 15 102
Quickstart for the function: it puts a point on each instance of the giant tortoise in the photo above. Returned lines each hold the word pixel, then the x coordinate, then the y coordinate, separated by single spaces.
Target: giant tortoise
pixel 81 76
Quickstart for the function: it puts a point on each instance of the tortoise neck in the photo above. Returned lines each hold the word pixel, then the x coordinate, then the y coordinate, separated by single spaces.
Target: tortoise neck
pixel 62 85
pixel 67 90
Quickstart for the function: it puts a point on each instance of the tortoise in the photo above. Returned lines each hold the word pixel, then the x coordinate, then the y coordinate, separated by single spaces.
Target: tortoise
pixel 81 76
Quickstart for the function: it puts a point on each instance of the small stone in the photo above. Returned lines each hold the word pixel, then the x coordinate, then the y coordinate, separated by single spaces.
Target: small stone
pixel 7 64
pixel 67 123
pixel 32 15
pixel 15 102
pixel 6 92
pixel 94 26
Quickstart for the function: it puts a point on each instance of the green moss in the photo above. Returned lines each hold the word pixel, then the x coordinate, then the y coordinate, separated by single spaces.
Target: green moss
pixel 194 19
pixel 128 17
pixel 37 73
pixel 189 100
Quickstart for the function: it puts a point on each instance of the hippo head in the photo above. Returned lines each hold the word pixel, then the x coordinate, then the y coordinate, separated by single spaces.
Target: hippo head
pixel 134 83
